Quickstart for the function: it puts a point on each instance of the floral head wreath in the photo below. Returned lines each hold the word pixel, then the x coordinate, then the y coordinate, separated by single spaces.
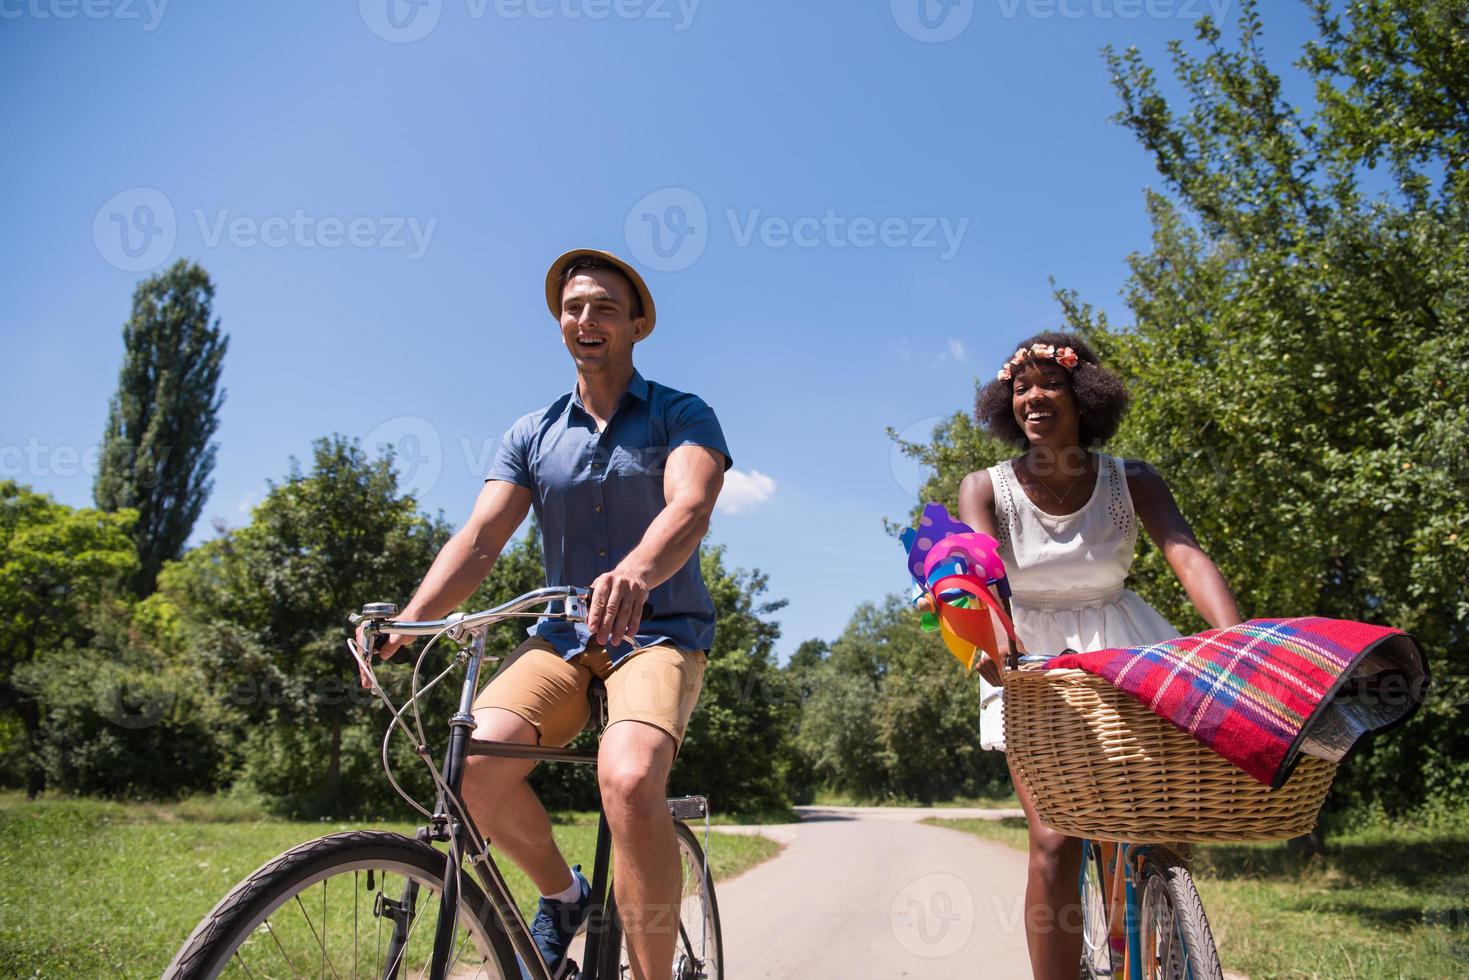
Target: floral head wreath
pixel 1064 356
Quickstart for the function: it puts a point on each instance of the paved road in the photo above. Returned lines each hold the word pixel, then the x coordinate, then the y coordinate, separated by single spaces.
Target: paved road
pixel 870 893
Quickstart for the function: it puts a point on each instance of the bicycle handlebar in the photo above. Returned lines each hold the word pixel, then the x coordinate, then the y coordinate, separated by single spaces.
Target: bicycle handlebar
pixel 576 602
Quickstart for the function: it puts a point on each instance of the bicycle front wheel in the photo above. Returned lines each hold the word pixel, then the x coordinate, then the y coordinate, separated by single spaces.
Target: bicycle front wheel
pixel 1096 948
pixel 698 952
pixel 332 907
pixel 1177 943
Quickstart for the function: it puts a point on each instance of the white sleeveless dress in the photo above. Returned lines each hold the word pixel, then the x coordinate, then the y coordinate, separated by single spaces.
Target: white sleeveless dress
pixel 1068 574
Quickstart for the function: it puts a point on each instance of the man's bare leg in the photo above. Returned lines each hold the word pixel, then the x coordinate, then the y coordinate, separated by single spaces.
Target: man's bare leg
pixel 505 808
pixel 632 769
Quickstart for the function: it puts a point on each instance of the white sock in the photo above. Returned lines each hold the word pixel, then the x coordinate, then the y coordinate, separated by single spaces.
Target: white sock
pixel 571 893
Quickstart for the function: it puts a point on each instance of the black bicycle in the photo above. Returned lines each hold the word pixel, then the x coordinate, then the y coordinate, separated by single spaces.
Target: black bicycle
pixel 354 904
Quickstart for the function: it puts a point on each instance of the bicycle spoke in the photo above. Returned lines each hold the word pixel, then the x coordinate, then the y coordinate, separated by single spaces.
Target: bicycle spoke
pixel 402 881
pixel 458 952
pixel 312 926
pixel 1185 964
pixel 246 966
pixel 698 909
pixel 271 930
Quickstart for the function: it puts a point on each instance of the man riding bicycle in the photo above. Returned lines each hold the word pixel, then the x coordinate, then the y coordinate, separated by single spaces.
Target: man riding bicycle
pixel 623 474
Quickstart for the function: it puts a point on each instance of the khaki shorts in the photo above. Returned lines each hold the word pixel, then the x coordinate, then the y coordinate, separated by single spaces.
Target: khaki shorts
pixel 657 685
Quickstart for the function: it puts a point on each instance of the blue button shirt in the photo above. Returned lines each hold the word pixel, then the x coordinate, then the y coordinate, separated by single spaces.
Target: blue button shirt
pixel 596 493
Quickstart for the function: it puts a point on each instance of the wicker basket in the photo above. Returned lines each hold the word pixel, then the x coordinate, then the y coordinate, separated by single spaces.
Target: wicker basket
pixel 1099 764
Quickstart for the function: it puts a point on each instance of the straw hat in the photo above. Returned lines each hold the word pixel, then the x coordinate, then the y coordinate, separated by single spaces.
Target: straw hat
pixel 553 281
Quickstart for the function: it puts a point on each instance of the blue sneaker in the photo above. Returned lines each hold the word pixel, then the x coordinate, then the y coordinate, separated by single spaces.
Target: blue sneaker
pixel 557 923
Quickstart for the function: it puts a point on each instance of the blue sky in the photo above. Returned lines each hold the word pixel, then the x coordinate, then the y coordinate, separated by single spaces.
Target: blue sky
pixel 847 212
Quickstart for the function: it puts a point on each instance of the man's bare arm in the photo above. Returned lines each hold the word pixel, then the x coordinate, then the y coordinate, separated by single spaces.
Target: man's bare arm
pixel 692 480
pixel 467 557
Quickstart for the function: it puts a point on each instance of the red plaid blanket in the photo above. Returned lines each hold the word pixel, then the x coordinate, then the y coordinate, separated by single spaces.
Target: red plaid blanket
pixel 1264 691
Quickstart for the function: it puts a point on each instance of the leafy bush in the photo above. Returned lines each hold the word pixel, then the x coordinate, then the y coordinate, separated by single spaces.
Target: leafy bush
pixel 118 722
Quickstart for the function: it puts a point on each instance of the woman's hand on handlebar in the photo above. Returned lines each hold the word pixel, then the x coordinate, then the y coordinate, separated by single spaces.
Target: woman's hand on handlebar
pixel 989 669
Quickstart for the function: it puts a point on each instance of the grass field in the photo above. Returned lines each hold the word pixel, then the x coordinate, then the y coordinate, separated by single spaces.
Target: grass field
pixel 92 889
pixel 1385 900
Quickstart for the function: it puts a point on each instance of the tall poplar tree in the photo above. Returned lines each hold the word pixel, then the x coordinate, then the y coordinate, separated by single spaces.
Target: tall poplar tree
pixel 156 454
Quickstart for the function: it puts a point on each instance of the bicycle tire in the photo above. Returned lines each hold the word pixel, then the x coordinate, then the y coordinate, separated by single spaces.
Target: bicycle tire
pixel 688 963
pixel 215 941
pixel 1185 950
pixel 1096 939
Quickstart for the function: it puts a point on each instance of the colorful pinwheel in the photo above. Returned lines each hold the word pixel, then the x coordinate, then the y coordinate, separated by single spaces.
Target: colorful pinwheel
pixel 955 567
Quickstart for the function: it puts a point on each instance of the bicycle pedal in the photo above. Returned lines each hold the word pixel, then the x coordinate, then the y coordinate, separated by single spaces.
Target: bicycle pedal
pixel 688 807
pixel 569 970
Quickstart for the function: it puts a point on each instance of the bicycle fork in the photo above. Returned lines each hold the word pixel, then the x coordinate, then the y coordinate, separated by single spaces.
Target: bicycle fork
pixel 401 912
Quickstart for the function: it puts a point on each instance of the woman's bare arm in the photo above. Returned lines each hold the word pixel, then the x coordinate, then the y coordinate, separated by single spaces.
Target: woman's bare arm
pixel 1170 531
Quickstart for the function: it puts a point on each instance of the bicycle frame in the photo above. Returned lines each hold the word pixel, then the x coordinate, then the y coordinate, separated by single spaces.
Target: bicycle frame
pixel 450 821
pixel 1121 865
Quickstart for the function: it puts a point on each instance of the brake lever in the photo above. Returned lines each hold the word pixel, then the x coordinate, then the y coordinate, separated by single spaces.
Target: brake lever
pixel 364 666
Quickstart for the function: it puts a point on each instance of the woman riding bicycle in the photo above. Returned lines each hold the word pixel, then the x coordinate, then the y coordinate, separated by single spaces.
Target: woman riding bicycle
pixel 1066 518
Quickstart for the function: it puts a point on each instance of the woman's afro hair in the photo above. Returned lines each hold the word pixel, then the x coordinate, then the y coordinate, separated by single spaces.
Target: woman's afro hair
pixel 1099 394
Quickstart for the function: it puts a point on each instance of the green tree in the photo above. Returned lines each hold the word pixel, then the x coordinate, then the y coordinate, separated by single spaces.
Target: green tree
pixel 56 564
pixel 737 750
pixel 892 716
pixel 264 609
pixel 157 456
pixel 809 655
pixel 1298 343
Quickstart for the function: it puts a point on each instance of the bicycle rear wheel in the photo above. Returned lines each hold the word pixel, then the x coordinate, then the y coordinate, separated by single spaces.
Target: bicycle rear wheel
pixel 330 908
pixel 698 952
pixel 1177 943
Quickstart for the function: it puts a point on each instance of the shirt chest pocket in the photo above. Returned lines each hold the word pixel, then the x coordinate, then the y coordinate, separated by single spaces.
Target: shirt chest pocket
pixel 638 466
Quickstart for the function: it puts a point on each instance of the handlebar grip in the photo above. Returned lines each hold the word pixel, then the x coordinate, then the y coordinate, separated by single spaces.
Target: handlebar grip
pixel 647 608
